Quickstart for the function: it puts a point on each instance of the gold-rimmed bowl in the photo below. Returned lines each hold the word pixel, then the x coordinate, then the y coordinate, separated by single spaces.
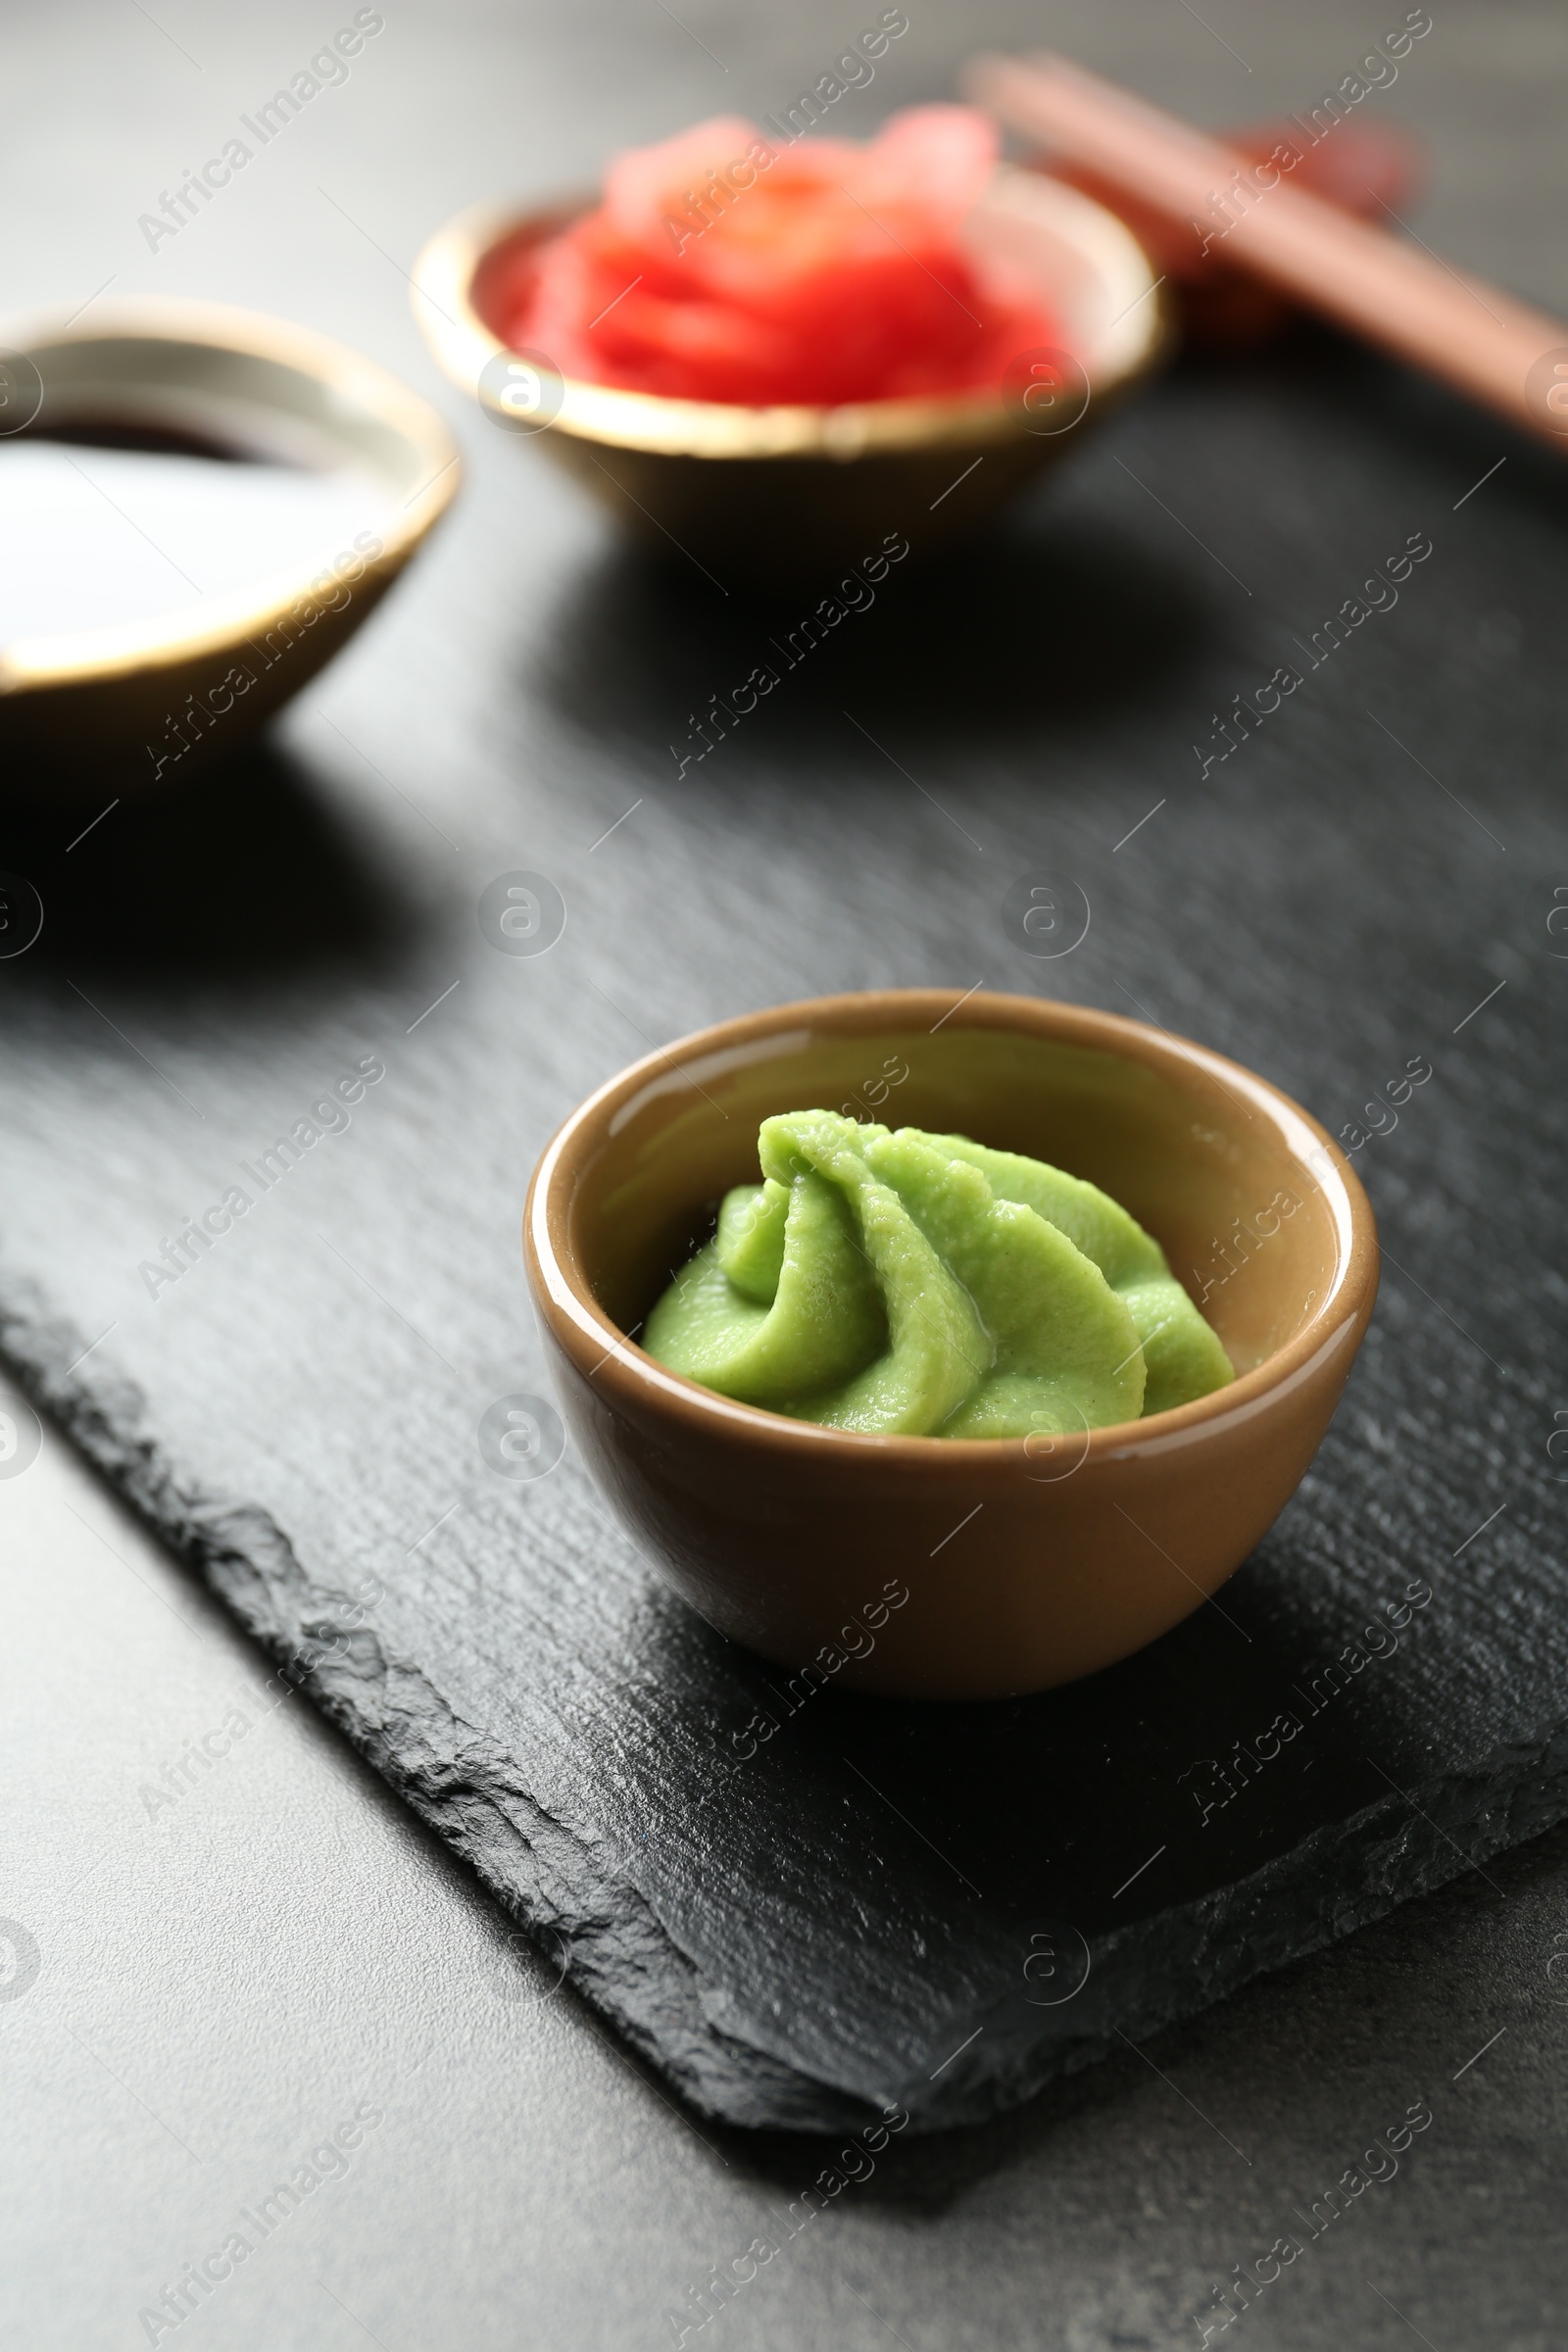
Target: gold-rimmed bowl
pixel 152 700
pixel 1022 1562
pixel 756 493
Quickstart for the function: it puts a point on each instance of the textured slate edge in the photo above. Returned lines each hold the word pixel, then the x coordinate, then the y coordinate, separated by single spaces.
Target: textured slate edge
pixel 1343 1876
pixel 620 1955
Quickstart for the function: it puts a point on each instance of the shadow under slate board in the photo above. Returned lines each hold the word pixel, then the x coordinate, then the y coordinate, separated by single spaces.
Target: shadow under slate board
pixel 801 1908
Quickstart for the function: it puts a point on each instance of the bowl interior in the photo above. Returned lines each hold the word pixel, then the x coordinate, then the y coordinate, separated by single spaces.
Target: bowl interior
pixel 1085 258
pixel 354 463
pixel 261 404
pixel 1211 1162
pixel 504 271
pixel 471 277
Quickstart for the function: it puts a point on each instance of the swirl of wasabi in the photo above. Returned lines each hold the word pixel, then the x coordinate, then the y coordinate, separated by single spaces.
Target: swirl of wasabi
pixel 921 1285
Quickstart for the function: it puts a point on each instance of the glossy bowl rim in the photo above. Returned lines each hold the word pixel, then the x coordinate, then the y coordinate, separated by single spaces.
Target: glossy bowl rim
pixel 462 344
pixel 167 641
pixel 571 1307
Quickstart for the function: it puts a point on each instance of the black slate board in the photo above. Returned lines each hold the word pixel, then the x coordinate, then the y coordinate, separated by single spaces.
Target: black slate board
pixel 884 1901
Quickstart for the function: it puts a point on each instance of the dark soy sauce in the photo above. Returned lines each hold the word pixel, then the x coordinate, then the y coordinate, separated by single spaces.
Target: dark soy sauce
pixel 104 527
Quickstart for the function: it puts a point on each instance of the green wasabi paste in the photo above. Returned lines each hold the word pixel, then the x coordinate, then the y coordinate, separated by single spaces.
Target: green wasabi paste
pixel 922 1285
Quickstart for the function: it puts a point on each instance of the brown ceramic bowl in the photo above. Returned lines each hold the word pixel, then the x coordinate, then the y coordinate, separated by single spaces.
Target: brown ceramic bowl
pixel 120 708
pixel 761 493
pixel 1026 1561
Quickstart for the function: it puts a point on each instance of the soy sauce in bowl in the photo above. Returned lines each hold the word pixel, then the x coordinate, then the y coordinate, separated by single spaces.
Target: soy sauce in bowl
pixel 106 525
pixel 198 508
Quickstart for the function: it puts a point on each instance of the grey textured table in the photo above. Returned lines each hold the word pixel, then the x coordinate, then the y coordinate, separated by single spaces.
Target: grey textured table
pixel 204 1991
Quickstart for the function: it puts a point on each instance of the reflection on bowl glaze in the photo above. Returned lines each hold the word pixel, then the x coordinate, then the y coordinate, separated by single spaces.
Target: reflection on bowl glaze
pixel 1027 1561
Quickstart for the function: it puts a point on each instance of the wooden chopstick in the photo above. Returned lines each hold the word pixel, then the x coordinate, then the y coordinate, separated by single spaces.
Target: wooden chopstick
pixel 1393 293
